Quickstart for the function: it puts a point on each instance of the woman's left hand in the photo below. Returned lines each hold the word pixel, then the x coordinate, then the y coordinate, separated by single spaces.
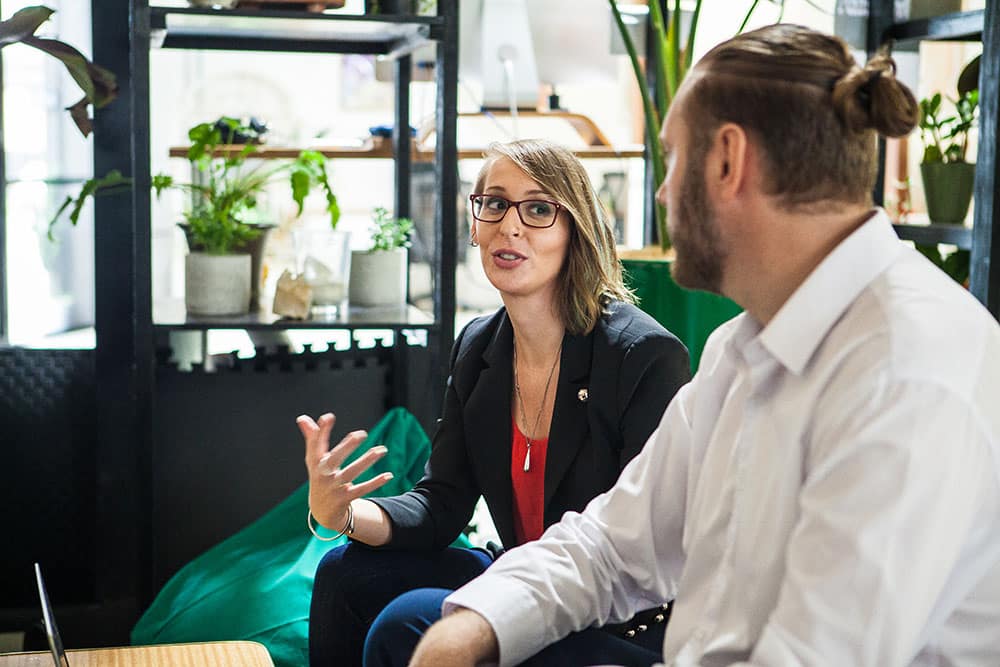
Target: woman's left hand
pixel 332 488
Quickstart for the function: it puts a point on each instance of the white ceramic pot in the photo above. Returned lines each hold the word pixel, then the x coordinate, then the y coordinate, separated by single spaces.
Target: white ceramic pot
pixel 216 284
pixel 378 278
pixel 220 4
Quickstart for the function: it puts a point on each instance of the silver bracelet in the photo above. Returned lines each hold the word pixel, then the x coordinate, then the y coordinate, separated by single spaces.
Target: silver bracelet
pixel 348 527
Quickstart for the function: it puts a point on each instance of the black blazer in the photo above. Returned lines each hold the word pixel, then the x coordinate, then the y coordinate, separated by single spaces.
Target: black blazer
pixel 630 366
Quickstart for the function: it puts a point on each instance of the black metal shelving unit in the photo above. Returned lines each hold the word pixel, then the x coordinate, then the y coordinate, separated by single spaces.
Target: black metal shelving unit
pixel 139 395
pixel 389 35
pixel 956 235
pixel 979 25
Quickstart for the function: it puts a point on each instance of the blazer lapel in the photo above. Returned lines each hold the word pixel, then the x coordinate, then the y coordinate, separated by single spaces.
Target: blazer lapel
pixel 488 431
pixel 570 426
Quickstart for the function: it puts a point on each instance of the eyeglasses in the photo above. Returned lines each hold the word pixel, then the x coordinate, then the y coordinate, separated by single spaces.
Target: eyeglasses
pixel 538 213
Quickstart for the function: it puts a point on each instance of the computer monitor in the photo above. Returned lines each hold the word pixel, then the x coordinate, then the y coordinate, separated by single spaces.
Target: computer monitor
pixel 514 45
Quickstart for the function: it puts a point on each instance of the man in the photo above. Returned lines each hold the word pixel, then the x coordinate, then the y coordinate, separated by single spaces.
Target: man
pixel 826 491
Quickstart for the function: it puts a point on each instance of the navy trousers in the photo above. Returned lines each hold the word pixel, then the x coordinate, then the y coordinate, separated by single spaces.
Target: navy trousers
pixel 400 626
pixel 354 584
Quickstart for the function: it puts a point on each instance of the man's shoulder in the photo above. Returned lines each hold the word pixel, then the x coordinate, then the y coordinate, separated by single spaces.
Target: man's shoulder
pixel 918 324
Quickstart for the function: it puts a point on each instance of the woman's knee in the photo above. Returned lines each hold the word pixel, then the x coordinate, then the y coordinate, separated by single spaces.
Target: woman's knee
pixel 330 573
pixel 399 627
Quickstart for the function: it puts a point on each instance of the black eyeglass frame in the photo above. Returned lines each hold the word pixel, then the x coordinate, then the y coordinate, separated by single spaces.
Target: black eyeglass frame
pixel 516 205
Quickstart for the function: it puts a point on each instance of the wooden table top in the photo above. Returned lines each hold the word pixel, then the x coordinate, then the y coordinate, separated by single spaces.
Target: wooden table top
pixel 209 654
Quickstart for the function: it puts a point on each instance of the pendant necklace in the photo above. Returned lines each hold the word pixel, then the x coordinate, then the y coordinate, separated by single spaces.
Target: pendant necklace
pixel 541 408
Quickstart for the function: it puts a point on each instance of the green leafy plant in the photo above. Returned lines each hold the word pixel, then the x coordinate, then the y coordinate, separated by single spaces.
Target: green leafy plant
pixel 955 263
pixel 947 139
pixel 673 55
pixel 389 232
pixel 97 83
pixel 226 186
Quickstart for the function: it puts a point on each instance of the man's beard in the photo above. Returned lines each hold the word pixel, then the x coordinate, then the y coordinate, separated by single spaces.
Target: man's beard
pixel 700 250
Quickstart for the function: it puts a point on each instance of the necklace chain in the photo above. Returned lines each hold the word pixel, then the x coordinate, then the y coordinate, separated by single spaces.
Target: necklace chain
pixel 541 408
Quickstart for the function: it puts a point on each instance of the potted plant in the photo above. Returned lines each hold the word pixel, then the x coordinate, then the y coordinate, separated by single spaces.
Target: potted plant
pixel 692 316
pixel 673 54
pixel 218 271
pixel 378 275
pixel 948 179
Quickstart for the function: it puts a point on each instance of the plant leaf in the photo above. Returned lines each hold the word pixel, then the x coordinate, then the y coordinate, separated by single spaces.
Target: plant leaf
pixel 23 24
pixel 111 182
pixel 932 154
pixel 161 182
pixel 98 84
pixel 651 117
pixel 746 17
pixel 669 49
pixel 300 189
pixel 689 47
pixel 78 112
pixel 968 80
pixel 956 265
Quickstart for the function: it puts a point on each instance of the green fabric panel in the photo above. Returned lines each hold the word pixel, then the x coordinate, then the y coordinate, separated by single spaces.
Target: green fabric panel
pixel 257 584
pixel 690 315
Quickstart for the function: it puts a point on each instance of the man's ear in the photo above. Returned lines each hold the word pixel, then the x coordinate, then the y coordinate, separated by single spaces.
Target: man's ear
pixel 726 168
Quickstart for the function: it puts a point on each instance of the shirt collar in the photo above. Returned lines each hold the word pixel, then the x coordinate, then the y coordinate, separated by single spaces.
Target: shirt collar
pixel 804 320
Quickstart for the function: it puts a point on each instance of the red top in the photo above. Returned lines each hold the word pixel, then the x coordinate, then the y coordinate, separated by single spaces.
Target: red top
pixel 529 487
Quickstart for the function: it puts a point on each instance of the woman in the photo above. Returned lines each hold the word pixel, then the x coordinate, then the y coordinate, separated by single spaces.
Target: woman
pixel 548 399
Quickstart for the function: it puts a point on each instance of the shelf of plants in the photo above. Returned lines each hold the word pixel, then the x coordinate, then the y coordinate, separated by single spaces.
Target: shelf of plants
pixel 383 150
pixel 289 31
pixel 955 235
pixel 956 26
pixel 171 315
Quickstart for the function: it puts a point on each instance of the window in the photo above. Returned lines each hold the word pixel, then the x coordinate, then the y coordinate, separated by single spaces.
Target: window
pixel 49 284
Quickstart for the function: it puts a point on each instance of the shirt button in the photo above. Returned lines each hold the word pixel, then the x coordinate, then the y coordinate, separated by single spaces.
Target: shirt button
pixel 642 628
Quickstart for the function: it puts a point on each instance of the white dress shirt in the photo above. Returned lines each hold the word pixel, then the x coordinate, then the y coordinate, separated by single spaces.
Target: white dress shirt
pixel 826 491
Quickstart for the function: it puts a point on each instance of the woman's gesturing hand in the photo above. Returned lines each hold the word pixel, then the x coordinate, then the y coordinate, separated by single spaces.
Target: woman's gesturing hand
pixel 332 487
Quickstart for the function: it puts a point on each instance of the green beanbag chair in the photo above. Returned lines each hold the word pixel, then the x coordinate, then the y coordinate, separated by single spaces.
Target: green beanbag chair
pixel 257 584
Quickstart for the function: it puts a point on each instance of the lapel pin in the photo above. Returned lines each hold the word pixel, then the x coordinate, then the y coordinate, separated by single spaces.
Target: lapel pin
pixel 583 395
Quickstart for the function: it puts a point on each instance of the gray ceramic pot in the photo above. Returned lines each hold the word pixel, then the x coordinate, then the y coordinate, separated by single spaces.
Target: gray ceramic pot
pixel 216 284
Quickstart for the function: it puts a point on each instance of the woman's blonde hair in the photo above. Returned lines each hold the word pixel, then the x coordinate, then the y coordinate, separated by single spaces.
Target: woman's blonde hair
pixel 592 275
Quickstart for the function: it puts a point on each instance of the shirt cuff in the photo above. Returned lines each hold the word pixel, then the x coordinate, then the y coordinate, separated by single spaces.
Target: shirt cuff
pixel 510 610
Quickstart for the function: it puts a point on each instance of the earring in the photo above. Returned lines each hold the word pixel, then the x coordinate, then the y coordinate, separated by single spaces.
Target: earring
pixel 473 243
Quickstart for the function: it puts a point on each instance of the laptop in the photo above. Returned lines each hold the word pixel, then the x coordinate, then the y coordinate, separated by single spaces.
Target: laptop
pixel 51 630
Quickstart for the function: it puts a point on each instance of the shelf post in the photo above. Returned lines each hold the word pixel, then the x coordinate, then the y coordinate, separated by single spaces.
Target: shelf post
pixel 446 173
pixel 881 15
pixel 985 276
pixel 123 314
pixel 401 148
pixel 4 278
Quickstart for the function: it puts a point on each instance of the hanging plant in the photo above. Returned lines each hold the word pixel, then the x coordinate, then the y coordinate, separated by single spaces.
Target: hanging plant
pixel 97 83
